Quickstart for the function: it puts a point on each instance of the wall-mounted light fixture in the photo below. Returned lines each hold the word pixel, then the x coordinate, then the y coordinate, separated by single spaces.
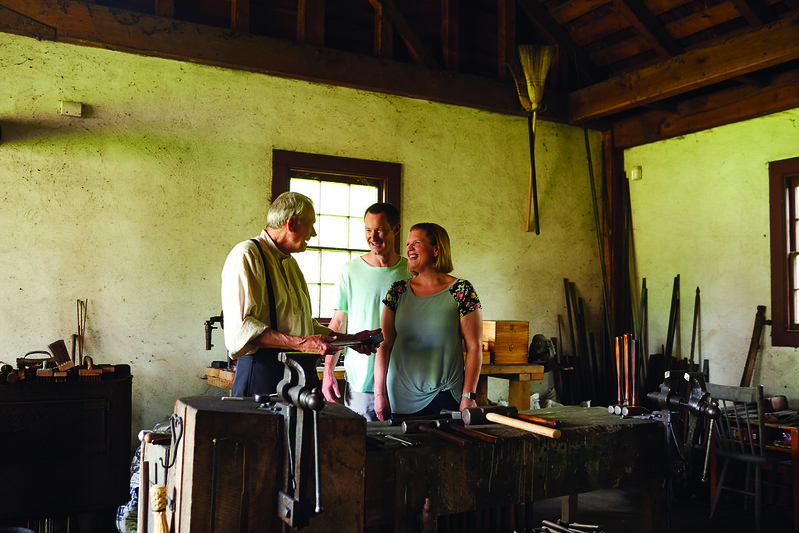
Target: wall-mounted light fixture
pixel 70 109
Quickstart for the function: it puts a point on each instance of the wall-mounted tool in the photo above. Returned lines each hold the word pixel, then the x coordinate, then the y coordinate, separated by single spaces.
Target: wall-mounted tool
pixel 209 327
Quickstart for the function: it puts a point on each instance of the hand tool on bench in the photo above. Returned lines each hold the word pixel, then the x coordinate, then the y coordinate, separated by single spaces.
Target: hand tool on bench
pixel 482 415
pixel 549 422
pixel 426 426
pixel 457 426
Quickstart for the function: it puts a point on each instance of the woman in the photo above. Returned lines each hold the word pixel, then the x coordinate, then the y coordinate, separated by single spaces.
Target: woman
pixel 419 367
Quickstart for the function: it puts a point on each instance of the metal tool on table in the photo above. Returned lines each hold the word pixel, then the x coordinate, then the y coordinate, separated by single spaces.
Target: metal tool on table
pixel 299 399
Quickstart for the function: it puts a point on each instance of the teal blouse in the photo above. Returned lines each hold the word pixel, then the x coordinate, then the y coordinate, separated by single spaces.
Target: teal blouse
pixel 427 356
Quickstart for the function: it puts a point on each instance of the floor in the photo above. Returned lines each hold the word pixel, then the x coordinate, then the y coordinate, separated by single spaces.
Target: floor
pixel 619 511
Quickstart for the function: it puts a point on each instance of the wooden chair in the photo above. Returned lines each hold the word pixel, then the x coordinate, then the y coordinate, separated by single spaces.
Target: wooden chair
pixel 739 433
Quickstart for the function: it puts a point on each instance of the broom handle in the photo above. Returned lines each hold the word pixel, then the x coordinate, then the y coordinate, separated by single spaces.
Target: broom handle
pixel 532 193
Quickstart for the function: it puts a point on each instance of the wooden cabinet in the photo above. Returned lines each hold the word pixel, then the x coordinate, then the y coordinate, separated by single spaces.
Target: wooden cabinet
pixel 65 448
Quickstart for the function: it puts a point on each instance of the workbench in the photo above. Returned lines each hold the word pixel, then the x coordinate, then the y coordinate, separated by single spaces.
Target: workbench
pixel 387 487
pixel 596 451
pixel 518 376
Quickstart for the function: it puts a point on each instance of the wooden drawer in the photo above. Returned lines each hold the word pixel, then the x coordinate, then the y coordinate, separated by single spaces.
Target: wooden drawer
pixel 507 340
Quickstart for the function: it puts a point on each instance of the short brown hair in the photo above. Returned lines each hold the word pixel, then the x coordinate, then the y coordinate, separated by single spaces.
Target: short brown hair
pixel 438 237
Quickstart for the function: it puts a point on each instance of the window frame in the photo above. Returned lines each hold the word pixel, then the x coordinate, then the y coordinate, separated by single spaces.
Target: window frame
pixel 285 162
pixel 783 210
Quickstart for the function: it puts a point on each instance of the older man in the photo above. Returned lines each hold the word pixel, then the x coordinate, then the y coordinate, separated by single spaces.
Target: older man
pixel 363 283
pixel 265 299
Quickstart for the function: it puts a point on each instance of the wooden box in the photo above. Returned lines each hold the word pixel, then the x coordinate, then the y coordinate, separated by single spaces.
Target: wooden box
pixel 507 340
pixel 231 458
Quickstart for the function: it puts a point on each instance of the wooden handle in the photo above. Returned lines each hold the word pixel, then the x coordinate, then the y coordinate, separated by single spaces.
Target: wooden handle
pixel 526 426
pixel 538 420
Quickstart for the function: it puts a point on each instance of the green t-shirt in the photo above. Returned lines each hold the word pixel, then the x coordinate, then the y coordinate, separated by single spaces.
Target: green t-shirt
pixel 361 289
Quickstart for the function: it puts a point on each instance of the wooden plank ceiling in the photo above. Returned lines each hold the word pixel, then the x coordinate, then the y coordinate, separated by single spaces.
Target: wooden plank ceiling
pixel 640 70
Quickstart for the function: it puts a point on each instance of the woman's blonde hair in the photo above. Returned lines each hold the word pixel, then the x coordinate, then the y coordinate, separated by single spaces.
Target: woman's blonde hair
pixel 438 237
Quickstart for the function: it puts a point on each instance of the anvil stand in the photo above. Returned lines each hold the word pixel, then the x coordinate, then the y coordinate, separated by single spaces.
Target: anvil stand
pixel 299 399
pixel 683 400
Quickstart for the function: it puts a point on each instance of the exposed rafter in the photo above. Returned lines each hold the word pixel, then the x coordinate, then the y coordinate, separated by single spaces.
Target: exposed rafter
pixel 541 18
pixel 310 21
pixel 755 12
pixel 757 49
pixel 409 37
pixel 649 27
pixel 100 26
pixel 450 37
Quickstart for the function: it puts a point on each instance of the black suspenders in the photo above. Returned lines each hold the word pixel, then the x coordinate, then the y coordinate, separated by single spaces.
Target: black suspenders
pixel 269 290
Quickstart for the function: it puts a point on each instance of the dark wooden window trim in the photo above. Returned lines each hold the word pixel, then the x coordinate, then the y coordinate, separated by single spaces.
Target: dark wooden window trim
pixel 782 176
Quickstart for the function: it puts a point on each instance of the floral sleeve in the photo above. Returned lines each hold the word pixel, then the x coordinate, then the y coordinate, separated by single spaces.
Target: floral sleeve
pixel 465 296
pixel 394 292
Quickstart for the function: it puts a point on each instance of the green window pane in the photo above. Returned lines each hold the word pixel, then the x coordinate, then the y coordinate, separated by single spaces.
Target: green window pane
pixel 313 290
pixel 310 188
pixel 328 300
pixel 331 265
pixel 361 197
pixel 357 235
pixel 333 231
pixel 335 198
pixel 309 262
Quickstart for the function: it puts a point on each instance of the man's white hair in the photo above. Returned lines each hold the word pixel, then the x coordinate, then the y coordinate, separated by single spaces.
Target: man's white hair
pixel 287 205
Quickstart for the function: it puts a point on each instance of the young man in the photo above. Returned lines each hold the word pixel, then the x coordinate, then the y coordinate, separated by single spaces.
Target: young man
pixel 363 284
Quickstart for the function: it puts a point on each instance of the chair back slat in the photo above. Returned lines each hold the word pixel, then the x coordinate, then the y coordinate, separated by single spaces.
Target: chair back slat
pixel 740 429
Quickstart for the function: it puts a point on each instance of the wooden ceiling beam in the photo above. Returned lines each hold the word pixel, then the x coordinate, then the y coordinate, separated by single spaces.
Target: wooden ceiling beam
pixel 310 22
pixel 79 23
pixel 450 44
pixel 541 19
pixel 649 27
pixel 417 50
pixel 739 55
pixel 740 103
pixel 756 13
pixel 506 36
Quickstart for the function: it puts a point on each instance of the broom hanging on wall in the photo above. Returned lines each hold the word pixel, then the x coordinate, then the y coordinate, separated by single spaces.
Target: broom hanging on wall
pixel 529 73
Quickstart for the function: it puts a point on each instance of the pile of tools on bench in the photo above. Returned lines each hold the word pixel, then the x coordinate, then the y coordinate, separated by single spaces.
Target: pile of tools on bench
pixel 455 427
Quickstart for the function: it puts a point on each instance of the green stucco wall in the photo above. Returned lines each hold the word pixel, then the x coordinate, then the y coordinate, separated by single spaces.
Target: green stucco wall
pixel 701 211
pixel 135 206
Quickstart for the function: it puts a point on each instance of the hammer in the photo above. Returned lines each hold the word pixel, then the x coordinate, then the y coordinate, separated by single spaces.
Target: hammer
pixel 498 414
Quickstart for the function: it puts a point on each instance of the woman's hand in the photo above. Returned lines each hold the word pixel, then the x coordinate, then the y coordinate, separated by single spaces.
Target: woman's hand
pixel 466 403
pixel 382 407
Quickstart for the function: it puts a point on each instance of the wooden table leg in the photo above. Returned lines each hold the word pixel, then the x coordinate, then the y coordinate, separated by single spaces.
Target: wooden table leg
pixel 651 504
pixel 568 508
pixel 519 394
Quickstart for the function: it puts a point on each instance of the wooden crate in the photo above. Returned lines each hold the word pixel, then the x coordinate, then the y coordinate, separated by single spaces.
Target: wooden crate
pixel 507 340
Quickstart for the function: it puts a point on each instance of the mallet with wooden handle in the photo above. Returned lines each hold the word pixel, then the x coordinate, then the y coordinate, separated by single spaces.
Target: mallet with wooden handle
pixel 479 415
